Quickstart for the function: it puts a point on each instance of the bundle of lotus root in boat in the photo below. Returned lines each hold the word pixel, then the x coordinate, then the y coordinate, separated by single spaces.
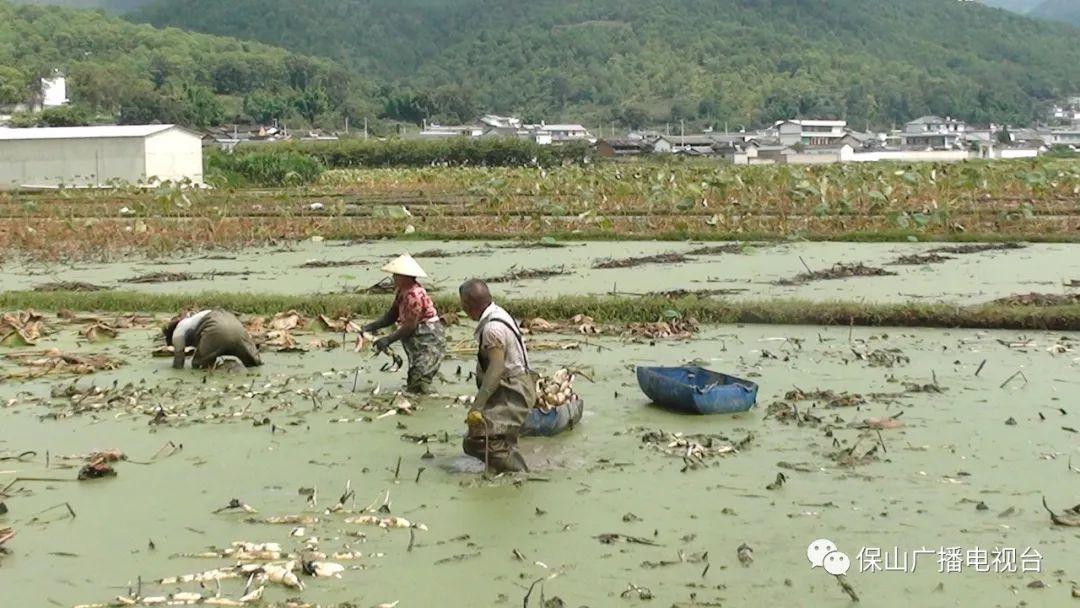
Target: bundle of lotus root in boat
pixel 555 390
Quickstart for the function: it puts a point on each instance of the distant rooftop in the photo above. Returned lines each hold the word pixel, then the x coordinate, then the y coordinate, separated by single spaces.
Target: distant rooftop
pixel 704 139
pixel 814 123
pixel 930 120
pixel 562 128
pixel 109 131
pixel 821 123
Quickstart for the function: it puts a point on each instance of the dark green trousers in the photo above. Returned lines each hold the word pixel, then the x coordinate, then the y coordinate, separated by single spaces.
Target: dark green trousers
pixel 495 442
pixel 221 334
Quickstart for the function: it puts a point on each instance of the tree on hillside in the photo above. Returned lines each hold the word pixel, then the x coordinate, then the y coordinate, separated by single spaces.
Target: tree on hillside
pixel 52 117
pixel 14 85
pixel 882 61
pixel 140 75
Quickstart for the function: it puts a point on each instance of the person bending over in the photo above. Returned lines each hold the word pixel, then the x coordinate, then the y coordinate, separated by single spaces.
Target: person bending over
pixel 214 334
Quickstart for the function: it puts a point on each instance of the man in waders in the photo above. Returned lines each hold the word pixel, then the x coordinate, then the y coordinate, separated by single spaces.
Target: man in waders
pixel 418 326
pixel 214 334
pixel 506 383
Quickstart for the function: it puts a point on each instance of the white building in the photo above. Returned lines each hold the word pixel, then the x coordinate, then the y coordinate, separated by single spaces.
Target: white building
pixel 558 134
pixel 934 132
pixel 810 132
pixel 434 131
pixel 53 95
pixel 1064 137
pixel 88 157
pixel 501 122
pixel 54 92
pixel 699 144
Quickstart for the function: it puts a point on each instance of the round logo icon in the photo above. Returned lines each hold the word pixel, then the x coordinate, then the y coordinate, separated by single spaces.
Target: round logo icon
pixel 837 563
pixel 817 551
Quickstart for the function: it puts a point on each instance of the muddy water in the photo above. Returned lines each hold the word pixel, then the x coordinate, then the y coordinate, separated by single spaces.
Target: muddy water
pixel 954 452
pixel 965 279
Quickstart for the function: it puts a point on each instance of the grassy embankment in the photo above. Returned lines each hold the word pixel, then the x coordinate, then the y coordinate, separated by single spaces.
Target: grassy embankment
pixel 612 309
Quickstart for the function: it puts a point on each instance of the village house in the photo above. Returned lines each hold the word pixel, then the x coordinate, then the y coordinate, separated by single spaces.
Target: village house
pixel 621 148
pixel 501 122
pixel 557 134
pixel 228 138
pixel 436 131
pixel 933 132
pixel 1067 112
pixel 738 153
pixel 809 132
pixel 490 125
pixel 699 144
pixel 1065 137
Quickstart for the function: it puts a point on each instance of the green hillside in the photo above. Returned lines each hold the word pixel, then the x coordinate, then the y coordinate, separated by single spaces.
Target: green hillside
pixel 740 61
pixel 139 74
pixel 114 6
pixel 1059 10
pixel 1017 6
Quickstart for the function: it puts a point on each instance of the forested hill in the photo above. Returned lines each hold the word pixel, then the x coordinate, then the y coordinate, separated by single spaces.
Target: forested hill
pixel 137 73
pixel 1067 11
pixel 114 6
pixel 1016 6
pixel 742 61
pixel 1059 10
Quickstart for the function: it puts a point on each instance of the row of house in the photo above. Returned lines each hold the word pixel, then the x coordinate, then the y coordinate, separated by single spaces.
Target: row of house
pixel 150 154
pixel 489 126
pixel 928 138
pixel 492 125
pixel 228 138
pixel 924 134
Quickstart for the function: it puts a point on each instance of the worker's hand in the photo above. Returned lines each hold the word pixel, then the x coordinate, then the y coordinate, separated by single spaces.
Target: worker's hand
pixel 382 344
pixel 363 339
pixel 474 419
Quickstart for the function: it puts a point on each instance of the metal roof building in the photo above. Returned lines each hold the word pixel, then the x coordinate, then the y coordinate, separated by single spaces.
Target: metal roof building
pixel 89 157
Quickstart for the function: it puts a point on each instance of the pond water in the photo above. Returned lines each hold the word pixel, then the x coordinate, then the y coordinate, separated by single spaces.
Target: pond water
pixel 920 490
pixel 964 279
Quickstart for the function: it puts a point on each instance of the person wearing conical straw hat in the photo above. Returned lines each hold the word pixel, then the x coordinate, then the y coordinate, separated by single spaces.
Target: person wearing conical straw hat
pixel 419 329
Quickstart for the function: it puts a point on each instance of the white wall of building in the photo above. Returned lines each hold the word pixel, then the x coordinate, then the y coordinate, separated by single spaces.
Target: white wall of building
pixel 912 156
pixel 53 92
pixel 818 158
pixel 70 162
pixel 174 155
pixel 1010 153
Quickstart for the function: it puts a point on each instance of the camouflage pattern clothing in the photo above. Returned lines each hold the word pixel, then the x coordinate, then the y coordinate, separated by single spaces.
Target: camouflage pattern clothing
pixel 426 349
pixel 221 334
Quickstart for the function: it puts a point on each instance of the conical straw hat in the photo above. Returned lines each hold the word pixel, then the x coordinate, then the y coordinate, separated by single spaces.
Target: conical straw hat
pixel 405 265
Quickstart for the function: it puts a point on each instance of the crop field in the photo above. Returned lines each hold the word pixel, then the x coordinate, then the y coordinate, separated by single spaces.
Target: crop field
pixel 1021 200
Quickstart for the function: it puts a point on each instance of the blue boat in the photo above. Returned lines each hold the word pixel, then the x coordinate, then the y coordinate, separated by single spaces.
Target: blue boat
pixel 546 424
pixel 696 390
